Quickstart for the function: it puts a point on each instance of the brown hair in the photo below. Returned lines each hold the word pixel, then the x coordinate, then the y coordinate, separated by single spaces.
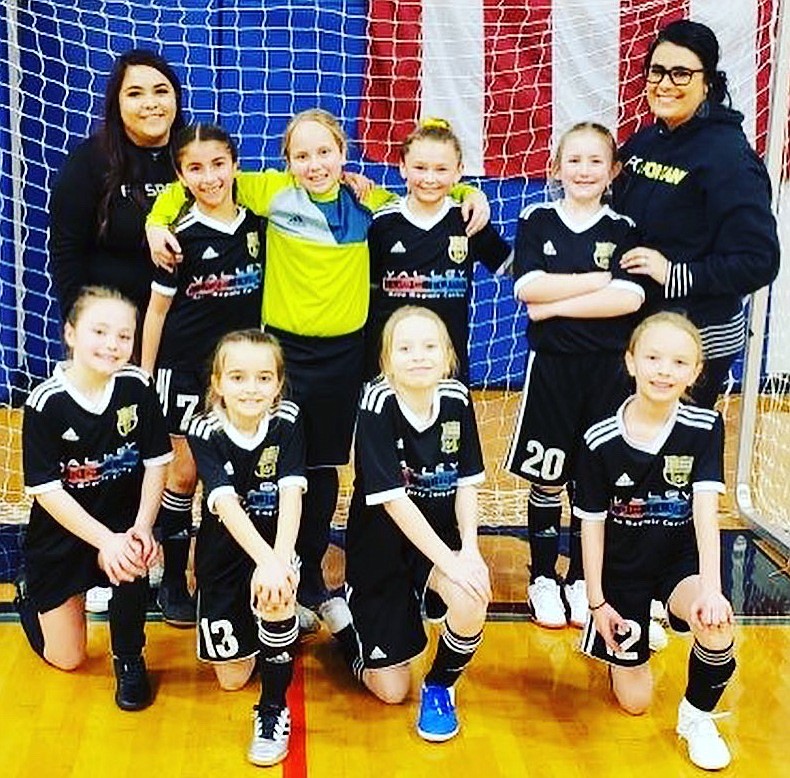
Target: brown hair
pixel 432 128
pixel 253 337
pixel 320 116
pixel 387 337
pixel 89 294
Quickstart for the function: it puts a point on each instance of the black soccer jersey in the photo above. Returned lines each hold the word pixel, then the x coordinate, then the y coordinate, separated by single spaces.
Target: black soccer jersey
pixel 546 242
pixel 427 262
pixel 397 456
pixel 216 289
pixel 97 452
pixel 645 492
pixel 254 469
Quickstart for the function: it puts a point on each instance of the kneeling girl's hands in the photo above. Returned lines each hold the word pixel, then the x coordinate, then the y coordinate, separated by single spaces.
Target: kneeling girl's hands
pixel 273 585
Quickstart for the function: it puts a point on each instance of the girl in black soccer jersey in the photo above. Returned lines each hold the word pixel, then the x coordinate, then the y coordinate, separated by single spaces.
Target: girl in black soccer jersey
pixel 95 453
pixel 215 289
pixel 250 454
pixel 578 300
pixel 647 492
pixel 420 252
pixel 412 527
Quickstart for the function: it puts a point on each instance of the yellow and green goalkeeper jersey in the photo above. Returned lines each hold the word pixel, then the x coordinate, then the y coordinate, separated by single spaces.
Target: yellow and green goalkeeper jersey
pixel 317 277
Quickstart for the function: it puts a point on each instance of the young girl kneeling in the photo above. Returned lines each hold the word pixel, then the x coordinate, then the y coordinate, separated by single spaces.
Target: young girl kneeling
pixel 412 528
pixel 647 493
pixel 95 452
pixel 249 449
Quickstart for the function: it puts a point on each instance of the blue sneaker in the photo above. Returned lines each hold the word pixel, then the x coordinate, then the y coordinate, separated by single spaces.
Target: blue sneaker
pixel 437 721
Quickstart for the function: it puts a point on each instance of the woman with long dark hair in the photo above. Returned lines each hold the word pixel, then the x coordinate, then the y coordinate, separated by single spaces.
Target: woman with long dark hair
pixel 97 236
pixel 701 197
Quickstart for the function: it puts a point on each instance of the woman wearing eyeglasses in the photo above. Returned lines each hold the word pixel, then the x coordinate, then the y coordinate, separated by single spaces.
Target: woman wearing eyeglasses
pixel 700 196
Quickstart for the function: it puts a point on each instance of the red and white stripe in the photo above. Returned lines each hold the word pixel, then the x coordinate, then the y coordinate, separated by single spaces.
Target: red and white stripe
pixel 510 75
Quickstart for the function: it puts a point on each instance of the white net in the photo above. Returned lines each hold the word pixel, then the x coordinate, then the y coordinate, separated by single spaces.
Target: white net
pixel 508 75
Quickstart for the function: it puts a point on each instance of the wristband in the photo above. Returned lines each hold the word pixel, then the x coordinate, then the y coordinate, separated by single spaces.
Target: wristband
pixel 599 605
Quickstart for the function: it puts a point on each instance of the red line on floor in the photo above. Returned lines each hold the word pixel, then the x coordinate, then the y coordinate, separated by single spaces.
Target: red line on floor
pixel 295 764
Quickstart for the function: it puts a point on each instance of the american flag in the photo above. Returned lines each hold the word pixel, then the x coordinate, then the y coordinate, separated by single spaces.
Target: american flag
pixel 510 75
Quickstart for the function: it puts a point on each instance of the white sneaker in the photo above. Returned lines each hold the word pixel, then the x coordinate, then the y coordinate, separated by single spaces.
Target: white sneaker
pixel 335 613
pixel 658 611
pixel 657 638
pixel 271 731
pixel 97 599
pixel 576 597
pixel 309 623
pixel 706 746
pixel 544 596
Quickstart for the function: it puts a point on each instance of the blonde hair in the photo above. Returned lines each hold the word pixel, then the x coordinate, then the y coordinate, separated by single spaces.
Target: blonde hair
pixel 320 116
pixel 255 338
pixel 433 128
pixel 388 335
pixel 677 320
pixel 594 127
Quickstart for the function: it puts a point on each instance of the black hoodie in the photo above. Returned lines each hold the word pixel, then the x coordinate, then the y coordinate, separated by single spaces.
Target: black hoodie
pixel 120 259
pixel 701 196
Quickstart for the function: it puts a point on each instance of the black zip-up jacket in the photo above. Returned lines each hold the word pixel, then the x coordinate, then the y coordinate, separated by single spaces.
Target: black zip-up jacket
pixel 701 196
pixel 120 258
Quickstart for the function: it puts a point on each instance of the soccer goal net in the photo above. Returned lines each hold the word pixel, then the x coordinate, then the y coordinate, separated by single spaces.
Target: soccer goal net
pixel 510 76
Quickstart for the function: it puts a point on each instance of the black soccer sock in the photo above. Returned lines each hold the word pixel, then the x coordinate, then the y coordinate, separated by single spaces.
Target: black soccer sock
pixel 318 508
pixel 544 512
pixel 575 567
pixel 350 647
pixel 709 671
pixel 28 618
pixel 126 611
pixel 175 524
pixel 278 640
pixel 453 654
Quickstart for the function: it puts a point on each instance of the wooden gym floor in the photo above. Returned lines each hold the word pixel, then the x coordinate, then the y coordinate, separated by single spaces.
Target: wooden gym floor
pixel 529 705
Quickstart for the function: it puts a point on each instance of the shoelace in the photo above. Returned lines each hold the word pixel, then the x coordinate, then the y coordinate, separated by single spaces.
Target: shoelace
pixel 440 703
pixel 132 669
pixel 268 725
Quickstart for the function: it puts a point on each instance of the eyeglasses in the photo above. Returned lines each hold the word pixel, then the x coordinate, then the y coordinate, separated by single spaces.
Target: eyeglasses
pixel 678 76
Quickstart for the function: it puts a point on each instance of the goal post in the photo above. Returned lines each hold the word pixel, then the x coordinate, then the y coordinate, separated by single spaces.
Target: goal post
pixel 510 83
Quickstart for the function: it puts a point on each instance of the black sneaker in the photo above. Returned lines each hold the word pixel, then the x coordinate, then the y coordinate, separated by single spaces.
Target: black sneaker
pixel 177 605
pixel 132 685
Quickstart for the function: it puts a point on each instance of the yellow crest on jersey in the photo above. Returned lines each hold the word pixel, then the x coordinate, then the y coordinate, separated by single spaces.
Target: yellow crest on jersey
pixel 602 255
pixel 451 436
pixel 677 469
pixel 127 420
pixel 267 464
pixel 253 244
pixel 458 248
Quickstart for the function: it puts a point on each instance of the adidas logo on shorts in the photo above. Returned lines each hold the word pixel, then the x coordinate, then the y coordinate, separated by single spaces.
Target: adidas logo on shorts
pixel 377 653
pixel 549 250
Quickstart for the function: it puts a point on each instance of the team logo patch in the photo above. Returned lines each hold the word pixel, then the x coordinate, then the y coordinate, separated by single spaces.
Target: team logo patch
pixel 458 248
pixel 253 244
pixel 677 469
pixel 127 420
pixel 267 464
pixel 602 255
pixel 451 436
